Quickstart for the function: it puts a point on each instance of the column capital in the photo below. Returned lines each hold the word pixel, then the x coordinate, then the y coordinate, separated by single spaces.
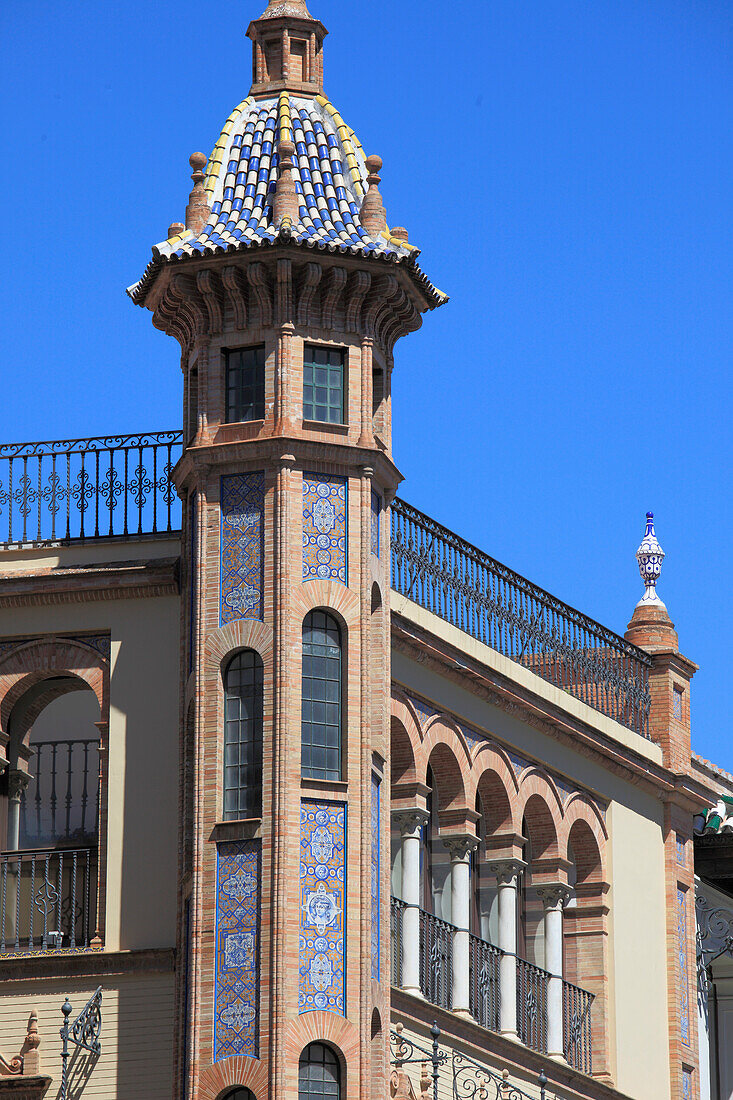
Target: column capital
pixel 554 895
pixel 410 820
pixel 506 870
pixel 17 783
pixel 460 847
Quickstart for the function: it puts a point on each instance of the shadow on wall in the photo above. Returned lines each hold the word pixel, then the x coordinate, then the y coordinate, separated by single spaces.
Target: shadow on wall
pixel 80 1069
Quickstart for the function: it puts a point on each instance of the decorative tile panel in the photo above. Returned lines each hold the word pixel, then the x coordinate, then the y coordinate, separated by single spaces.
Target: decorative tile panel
pixel 376 512
pixel 324 528
pixel 680 841
pixel 322 897
pixel 236 1017
pixel 682 953
pixel 375 877
pixel 686 1084
pixel 242 508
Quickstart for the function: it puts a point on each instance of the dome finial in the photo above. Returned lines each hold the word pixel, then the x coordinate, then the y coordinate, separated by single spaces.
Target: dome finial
pixel 197 211
pixel 650 557
pixel 373 216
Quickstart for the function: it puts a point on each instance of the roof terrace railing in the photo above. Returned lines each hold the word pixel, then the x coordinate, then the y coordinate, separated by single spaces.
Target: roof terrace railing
pixel 454 580
pixel 113 486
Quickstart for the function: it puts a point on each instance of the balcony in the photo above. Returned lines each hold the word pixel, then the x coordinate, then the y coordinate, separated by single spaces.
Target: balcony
pixel 530 987
pixel 47 900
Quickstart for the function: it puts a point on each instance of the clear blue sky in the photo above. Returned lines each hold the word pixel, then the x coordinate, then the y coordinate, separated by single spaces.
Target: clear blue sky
pixel 565 167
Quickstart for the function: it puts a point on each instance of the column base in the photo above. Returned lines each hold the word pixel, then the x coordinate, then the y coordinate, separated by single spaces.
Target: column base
pixel 413 991
pixel 512 1036
pixel 462 1012
pixel 559 1058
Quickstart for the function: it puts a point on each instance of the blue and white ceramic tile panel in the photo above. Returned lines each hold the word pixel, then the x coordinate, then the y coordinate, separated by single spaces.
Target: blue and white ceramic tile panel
pixel 236 1029
pixel 682 950
pixel 322 900
pixel 376 511
pixel 680 840
pixel 328 170
pixel 375 877
pixel 324 528
pixel 686 1084
pixel 242 508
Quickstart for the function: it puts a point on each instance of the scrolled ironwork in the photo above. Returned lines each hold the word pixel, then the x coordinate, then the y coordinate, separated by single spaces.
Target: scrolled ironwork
pixel 84 1033
pixel 714 936
pixel 458 582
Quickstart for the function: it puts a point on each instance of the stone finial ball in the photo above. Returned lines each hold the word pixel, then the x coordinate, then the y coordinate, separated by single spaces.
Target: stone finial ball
pixel 400 233
pixel 373 163
pixel 285 148
pixel 197 161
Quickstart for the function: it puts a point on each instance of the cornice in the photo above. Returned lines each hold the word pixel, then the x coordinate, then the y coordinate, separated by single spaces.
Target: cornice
pixel 83 964
pixel 91 583
pixel 542 715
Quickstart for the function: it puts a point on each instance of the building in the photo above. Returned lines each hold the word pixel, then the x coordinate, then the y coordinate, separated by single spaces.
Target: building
pixel 413 791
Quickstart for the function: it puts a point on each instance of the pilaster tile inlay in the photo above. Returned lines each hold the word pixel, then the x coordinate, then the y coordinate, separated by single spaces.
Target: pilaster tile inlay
pixel 680 849
pixel 242 507
pixel 376 512
pixel 324 527
pixel 375 877
pixel 686 1084
pixel 682 952
pixel 322 894
pixel 236 1013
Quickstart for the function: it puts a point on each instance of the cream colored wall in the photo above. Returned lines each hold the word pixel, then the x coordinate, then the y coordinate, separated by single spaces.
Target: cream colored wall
pixel 135 548
pixel 636 873
pixel 137 1033
pixel 143 743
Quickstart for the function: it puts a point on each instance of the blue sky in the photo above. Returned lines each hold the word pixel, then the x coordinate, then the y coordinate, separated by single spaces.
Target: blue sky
pixel 566 169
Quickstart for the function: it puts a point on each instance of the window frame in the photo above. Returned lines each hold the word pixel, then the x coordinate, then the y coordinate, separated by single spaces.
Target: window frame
pixel 249 796
pixel 309 412
pixel 303 1061
pixel 324 773
pixel 258 402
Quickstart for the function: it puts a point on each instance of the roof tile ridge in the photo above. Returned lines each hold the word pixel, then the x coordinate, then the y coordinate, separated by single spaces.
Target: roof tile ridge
pixel 345 134
pixel 215 161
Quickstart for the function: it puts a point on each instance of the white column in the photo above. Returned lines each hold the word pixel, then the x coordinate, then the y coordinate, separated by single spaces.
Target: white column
pixel 410 823
pixel 17 784
pixel 507 872
pixel 554 898
pixel 460 848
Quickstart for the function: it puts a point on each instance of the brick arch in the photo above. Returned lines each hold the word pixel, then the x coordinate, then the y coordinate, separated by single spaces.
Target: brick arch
pixel 331 596
pixel 404 740
pixel 496 786
pixel 450 778
pixel 248 1073
pixel 583 828
pixel 539 807
pixel 242 634
pixel 403 708
pixel 29 664
pixel 337 1033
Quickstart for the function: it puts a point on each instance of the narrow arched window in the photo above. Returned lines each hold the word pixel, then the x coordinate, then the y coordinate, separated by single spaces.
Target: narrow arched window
pixel 321 698
pixel 319 1074
pixel 239 1094
pixel 243 736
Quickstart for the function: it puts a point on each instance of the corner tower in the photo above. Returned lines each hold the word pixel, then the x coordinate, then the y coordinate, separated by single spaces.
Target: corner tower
pixel 287 293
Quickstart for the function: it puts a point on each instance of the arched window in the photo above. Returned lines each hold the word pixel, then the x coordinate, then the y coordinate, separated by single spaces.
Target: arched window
pixel 239 1094
pixel 321 698
pixel 319 1074
pixel 243 736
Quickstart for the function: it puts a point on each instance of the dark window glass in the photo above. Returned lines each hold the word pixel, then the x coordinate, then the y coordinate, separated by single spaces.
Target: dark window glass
pixel 319 1074
pixel 246 384
pixel 321 699
pixel 239 1094
pixel 323 385
pixel 243 736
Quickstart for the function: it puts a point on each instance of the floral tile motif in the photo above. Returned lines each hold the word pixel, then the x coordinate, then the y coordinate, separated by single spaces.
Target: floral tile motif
pixel 682 950
pixel 375 877
pixel 376 512
pixel 324 527
pixel 322 895
pixel 236 1029
pixel 242 507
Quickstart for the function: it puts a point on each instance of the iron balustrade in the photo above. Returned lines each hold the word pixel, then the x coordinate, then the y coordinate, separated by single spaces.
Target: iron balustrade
pixel 532 1005
pixel 483 987
pixel 436 960
pixel 89 488
pixel 397 908
pixel 454 580
pixel 61 802
pixel 47 899
pixel 576 1017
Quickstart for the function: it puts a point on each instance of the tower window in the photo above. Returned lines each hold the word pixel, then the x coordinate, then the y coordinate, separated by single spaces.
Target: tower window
pixel 243 736
pixel 321 697
pixel 297 60
pixel 273 59
pixel 245 384
pixel 323 384
pixel 319 1074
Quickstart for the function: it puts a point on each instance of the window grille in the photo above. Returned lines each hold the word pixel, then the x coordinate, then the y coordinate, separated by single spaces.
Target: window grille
pixel 319 1074
pixel 245 383
pixel 321 697
pixel 243 736
pixel 323 385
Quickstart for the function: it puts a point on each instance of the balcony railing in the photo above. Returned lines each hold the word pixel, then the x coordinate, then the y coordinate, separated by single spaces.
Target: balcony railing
pixel 483 988
pixel 61 803
pixel 115 486
pixel 451 578
pixel 395 930
pixel 576 1006
pixel 532 1005
pixel 436 959
pixel 47 899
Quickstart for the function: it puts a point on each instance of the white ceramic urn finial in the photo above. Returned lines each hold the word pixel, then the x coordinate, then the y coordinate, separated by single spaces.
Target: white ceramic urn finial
pixel 650 557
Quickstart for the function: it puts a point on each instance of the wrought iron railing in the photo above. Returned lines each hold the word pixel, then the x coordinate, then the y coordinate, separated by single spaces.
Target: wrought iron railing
pixel 47 899
pixel 395 932
pixel 448 576
pixel 576 1009
pixel 88 488
pixel 436 959
pixel 532 1005
pixel 483 988
pixel 61 803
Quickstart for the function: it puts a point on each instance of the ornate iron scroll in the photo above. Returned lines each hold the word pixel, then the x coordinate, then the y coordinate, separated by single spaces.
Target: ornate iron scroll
pixel 714 937
pixel 84 1033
